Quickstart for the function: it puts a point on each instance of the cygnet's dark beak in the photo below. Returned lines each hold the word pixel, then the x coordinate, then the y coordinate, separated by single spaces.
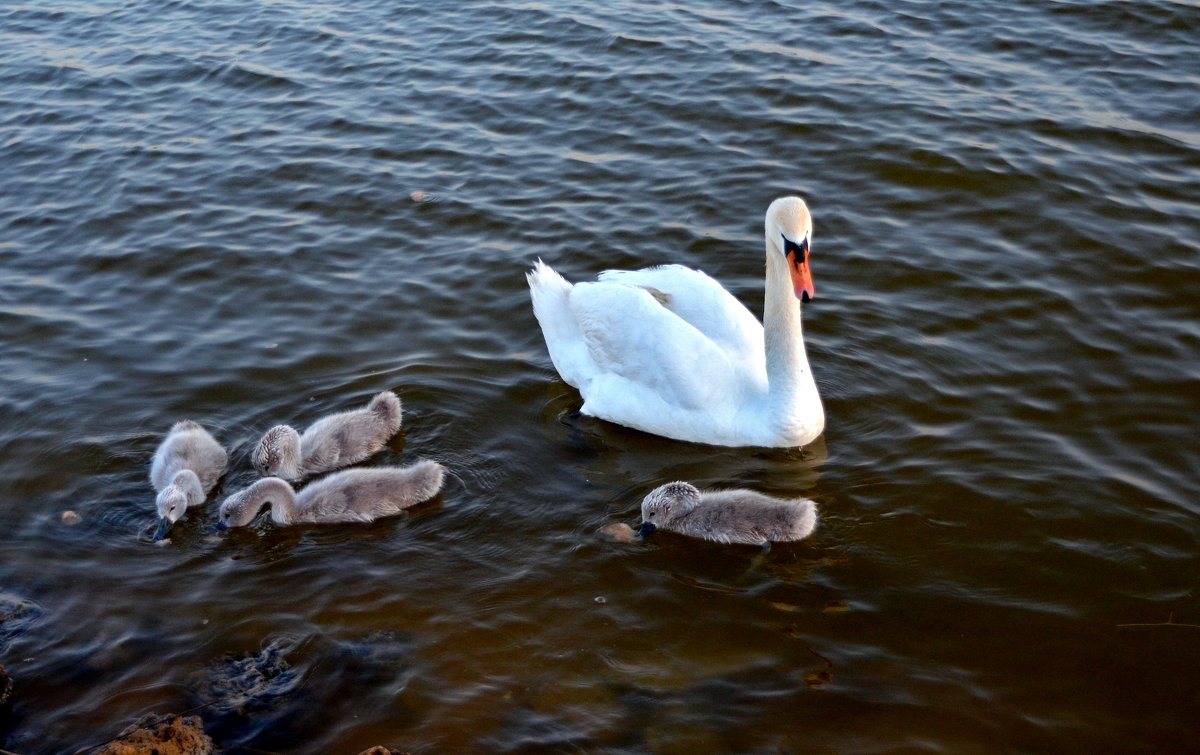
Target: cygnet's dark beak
pixel 645 529
pixel 164 526
pixel 221 527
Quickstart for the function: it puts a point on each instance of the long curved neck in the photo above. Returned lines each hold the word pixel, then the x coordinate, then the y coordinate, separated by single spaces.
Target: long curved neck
pixel 792 392
pixel 280 495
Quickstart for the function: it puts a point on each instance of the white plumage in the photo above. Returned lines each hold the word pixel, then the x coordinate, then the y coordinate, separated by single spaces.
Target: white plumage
pixel 669 351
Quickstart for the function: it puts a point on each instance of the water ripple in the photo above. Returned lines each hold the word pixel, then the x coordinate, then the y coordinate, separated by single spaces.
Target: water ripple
pixel 251 214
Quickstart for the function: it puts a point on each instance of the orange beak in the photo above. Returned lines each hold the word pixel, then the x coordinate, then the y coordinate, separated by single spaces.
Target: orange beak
pixel 802 282
pixel 797 256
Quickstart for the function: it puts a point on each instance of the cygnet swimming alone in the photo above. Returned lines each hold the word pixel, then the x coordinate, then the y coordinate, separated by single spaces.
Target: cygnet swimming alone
pixel 185 469
pixel 353 495
pixel 338 440
pixel 727 516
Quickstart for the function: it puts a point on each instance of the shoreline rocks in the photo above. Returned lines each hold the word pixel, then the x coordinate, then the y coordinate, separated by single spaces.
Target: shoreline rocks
pixel 149 736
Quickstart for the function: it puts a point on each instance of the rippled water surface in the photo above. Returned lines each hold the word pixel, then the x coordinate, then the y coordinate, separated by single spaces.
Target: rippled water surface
pixel 252 213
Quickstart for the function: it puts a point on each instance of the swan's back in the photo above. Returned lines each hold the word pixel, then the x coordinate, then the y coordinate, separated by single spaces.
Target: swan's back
pixel 630 322
pixel 703 303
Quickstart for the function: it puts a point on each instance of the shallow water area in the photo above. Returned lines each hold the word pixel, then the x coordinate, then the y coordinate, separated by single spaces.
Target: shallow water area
pixel 257 214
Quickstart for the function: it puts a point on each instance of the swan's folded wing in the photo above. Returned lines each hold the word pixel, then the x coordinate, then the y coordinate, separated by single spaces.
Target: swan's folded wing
pixel 704 304
pixel 629 333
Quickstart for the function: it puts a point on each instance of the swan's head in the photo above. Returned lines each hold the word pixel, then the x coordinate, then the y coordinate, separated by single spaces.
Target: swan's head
pixel 278 453
pixel 789 234
pixel 239 509
pixel 174 499
pixel 667 503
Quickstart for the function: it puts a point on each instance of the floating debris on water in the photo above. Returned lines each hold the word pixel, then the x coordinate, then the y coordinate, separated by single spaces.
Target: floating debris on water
pixel 620 532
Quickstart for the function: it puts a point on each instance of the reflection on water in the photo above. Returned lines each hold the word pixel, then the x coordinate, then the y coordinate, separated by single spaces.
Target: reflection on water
pixel 247 215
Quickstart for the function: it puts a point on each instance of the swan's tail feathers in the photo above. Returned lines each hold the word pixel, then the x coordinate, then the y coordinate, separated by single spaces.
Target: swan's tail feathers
pixel 424 480
pixel 551 294
pixel 387 405
pixel 544 276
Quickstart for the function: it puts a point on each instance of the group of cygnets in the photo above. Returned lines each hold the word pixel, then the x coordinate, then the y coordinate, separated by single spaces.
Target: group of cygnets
pixel 189 462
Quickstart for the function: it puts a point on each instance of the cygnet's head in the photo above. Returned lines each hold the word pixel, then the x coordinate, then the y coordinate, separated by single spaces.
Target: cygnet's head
pixel 173 500
pixel 240 508
pixel 278 453
pixel 666 503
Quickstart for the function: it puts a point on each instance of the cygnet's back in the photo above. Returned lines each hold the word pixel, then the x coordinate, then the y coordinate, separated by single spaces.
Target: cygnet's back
pixel 367 493
pixel 727 516
pixel 332 442
pixel 188 446
pixel 353 495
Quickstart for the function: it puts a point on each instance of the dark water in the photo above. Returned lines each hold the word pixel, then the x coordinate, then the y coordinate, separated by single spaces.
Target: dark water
pixel 250 213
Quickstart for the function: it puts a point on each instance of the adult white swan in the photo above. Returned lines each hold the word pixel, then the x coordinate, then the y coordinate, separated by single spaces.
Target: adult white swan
pixel 669 351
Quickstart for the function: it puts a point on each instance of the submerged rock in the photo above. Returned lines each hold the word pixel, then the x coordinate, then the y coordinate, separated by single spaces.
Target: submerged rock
pixel 149 736
pixel 249 684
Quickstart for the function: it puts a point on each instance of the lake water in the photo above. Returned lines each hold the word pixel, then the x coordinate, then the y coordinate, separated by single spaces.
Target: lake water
pixel 253 213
